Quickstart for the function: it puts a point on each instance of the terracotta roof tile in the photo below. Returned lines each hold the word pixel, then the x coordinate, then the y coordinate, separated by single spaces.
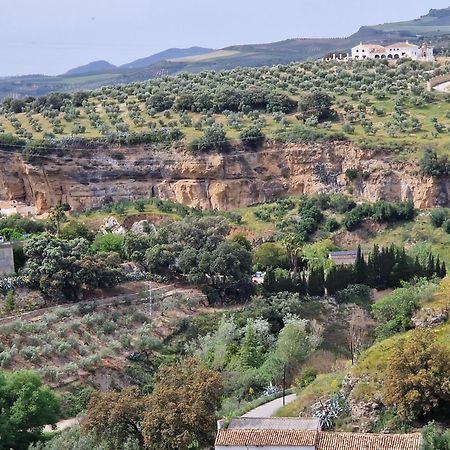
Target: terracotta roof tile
pixel 402 45
pixel 275 423
pixel 319 440
pixel 243 437
pixel 358 441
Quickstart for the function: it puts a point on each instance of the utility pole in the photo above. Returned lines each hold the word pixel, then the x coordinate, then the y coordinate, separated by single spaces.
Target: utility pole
pixel 150 297
pixel 284 385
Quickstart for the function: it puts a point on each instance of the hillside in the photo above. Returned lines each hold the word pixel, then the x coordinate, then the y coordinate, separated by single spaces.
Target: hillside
pixel 435 23
pixel 260 140
pixel 336 348
pixel 171 53
pixel 434 26
pixel 92 342
pixel 93 67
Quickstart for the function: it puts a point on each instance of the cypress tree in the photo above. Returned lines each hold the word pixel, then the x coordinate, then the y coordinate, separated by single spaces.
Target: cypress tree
pixel 360 267
pixel 418 269
pixel 377 261
pixel 443 270
pixel 430 271
pixel 269 280
pixel 370 271
pixel 316 282
pixel 437 269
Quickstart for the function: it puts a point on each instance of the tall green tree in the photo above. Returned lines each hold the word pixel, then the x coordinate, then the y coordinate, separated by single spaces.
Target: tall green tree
pixel 26 405
pixel 61 268
pixel 316 282
pixel 180 412
pixel 360 267
pixel 417 379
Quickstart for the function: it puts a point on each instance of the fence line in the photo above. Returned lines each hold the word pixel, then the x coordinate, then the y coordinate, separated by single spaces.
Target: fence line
pixel 104 302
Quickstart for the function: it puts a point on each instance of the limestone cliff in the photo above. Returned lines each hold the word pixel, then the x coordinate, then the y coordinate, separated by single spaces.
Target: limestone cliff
pixel 85 178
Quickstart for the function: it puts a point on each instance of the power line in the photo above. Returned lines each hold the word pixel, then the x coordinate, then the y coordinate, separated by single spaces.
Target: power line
pixel 150 298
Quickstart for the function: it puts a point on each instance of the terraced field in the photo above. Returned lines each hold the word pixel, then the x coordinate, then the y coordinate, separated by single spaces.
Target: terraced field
pixel 372 103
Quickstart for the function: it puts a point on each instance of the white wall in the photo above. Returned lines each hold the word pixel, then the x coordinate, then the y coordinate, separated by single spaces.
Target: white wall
pixel 23 210
pixel 361 52
pixel 6 260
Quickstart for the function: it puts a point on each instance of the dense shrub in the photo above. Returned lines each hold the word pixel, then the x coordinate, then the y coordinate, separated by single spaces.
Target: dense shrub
pixel 434 165
pixel 214 138
pixel 438 216
pixel 393 313
pixel 380 211
pixel 317 104
pixel 252 137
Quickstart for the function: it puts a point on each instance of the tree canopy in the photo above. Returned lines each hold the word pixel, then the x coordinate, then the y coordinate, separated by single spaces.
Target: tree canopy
pixel 26 405
pixel 417 379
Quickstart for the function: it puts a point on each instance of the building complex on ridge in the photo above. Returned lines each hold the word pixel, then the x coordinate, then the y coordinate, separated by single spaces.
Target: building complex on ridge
pixel 400 50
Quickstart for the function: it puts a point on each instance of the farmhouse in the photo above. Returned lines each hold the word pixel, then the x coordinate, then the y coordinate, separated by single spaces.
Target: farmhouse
pixel 346 257
pixel 395 51
pixel 303 434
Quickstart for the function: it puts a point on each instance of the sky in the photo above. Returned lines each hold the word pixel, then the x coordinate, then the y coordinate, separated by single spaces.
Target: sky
pixel 52 36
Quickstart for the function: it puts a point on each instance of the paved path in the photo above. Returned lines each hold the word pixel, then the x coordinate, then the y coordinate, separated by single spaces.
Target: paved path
pixel 270 408
pixel 443 87
pixel 63 424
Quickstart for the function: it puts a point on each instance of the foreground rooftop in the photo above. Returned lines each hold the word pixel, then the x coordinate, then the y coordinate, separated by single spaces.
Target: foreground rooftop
pixel 305 434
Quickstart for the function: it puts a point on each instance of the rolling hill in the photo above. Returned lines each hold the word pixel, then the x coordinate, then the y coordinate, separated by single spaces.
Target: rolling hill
pixel 93 67
pixel 436 22
pixel 171 53
pixel 434 27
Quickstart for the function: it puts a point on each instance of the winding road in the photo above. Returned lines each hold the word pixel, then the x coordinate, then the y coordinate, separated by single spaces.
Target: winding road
pixel 269 409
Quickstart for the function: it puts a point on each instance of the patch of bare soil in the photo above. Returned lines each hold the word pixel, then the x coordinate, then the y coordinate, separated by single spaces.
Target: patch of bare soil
pixel 258 237
pixel 351 239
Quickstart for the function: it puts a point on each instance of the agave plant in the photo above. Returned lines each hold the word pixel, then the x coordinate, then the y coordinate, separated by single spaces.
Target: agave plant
pixel 327 412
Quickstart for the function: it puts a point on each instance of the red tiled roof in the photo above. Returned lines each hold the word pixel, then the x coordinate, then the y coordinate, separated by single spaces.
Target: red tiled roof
pixel 402 45
pixel 319 440
pixel 242 437
pixel 359 441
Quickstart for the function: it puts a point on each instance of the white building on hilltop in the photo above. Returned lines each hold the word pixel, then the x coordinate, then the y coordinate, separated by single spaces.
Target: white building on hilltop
pixel 394 51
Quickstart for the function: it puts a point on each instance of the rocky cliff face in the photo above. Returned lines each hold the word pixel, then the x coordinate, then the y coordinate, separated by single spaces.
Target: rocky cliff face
pixel 87 178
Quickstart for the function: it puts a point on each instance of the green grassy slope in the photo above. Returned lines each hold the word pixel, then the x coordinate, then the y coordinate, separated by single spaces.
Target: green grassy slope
pixel 436 22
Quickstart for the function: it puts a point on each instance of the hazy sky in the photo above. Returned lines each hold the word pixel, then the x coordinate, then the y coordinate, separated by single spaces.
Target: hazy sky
pixel 52 36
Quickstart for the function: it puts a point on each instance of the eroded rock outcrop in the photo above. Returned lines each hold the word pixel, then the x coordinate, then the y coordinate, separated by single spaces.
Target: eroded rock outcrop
pixel 86 178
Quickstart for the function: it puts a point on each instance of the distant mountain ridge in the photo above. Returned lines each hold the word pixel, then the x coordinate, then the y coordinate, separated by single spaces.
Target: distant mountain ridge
pixel 433 27
pixel 93 67
pixel 171 53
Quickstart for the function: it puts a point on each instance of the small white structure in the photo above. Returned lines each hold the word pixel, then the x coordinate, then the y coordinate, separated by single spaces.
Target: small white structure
pixel 258 277
pixel 10 208
pixel 6 258
pixel 399 50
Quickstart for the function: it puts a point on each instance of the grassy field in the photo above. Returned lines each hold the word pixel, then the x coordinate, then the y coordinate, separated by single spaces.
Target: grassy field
pixel 439 110
pixel 324 386
pixel 419 231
